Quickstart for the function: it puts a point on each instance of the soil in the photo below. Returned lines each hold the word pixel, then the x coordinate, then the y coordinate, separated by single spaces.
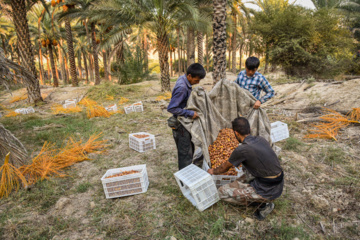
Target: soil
pixel 320 198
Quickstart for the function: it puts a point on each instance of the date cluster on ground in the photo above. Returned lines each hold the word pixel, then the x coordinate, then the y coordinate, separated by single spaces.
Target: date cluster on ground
pixel 222 148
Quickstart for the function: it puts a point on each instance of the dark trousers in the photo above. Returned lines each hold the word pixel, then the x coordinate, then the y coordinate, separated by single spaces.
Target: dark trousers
pixel 184 146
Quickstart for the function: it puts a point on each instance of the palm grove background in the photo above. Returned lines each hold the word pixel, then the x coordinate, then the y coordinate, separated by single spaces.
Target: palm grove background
pixel 89 41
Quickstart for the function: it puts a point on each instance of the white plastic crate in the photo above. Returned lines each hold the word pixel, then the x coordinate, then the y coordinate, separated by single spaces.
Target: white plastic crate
pixel 279 131
pixel 129 109
pixel 142 144
pixel 71 101
pixel 25 110
pixel 138 107
pixel 69 105
pixel 126 185
pixel 221 180
pixel 112 108
pixel 197 186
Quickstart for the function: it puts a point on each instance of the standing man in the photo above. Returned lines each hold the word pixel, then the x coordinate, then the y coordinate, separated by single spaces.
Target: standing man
pixel 259 160
pixel 253 81
pixel 180 96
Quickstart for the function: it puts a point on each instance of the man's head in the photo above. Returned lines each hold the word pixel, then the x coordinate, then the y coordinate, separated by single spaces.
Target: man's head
pixel 195 73
pixel 241 128
pixel 251 65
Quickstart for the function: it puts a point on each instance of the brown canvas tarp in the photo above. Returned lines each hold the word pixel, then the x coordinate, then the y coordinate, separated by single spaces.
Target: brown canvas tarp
pixel 217 108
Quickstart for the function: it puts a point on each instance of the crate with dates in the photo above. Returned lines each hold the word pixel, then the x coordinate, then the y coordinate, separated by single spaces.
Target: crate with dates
pixel 126 181
pixel 142 141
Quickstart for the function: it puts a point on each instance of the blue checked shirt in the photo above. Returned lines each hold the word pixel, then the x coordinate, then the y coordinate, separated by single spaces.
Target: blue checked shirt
pixel 255 84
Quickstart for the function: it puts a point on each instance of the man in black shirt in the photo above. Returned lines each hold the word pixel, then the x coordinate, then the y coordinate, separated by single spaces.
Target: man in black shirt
pixel 259 160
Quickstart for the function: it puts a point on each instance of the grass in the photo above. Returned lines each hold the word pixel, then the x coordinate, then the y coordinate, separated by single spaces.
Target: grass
pixel 283 231
pixel 293 144
pixel 83 187
pixel 333 155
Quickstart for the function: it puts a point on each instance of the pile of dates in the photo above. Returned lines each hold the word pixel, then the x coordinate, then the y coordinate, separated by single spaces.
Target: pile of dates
pixel 222 148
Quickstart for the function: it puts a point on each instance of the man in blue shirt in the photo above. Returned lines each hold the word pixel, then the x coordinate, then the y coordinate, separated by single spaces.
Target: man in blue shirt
pixel 254 81
pixel 178 102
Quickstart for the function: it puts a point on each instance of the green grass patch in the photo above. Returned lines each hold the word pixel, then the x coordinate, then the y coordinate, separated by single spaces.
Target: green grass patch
pixel 284 231
pixel 83 187
pixel 333 155
pixel 293 144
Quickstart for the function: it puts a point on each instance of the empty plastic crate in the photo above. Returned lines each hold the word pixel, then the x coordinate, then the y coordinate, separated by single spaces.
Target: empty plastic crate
pixel 125 185
pixel 25 110
pixel 197 186
pixel 129 109
pixel 279 131
pixel 71 101
pixel 141 143
pixel 221 180
pixel 138 107
pixel 112 108
pixel 69 105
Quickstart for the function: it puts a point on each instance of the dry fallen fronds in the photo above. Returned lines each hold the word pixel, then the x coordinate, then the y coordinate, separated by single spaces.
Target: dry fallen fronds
pixel 57 109
pixel 12 114
pixel 123 100
pixel 18 98
pixel 10 177
pixel 166 96
pixel 355 115
pixel 333 121
pixel 97 111
pixel 87 102
pixel 51 161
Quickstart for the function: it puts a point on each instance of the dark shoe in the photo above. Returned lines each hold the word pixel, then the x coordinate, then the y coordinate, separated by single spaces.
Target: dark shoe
pixel 263 211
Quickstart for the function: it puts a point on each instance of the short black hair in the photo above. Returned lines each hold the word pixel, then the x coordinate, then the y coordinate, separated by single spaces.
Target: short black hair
pixel 252 63
pixel 196 70
pixel 241 125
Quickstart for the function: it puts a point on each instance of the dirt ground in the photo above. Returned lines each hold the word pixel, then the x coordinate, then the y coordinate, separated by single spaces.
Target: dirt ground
pixel 320 198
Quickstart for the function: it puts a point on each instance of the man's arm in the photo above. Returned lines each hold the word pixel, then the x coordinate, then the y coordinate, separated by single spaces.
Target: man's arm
pixel 266 87
pixel 221 169
pixel 178 96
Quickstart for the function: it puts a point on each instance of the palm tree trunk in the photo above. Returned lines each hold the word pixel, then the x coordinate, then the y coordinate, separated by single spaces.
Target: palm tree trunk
pixel 41 66
pixel 3 44
pixel 57 72
pixel 266 58
pixel 200 38
pixel 171 63
pixel 240 52
pixel 66 70
pixel 95 54
pixel 48 68
pixel 70 44
pixel 61 63
pixel 191 46
pixel 219 45
pixel 146 54
pixel 179 50
pixel 229 50
pixel 86 68
pixel 80 67
pixel 53 70
pixel 163 47
pixel 105 65
pixel 207 53
pixel 233 41
pixel 24 43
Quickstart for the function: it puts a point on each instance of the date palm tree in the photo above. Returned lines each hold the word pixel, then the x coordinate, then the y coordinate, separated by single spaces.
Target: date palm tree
pixel 159 16
pixel 219 40
pixel 18 11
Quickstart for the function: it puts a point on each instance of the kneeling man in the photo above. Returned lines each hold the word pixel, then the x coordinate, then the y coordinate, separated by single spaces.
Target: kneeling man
pixel 260 161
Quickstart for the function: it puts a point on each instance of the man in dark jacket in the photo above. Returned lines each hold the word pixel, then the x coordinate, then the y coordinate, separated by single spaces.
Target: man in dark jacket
pixel 260 161
pixel 180 96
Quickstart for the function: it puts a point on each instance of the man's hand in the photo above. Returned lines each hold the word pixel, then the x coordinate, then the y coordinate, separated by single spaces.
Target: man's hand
pixel 195 115
pixel 211 171
pixel 257 104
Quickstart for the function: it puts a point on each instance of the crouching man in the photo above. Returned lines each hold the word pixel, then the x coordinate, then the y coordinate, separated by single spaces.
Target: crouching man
pixel 260 161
